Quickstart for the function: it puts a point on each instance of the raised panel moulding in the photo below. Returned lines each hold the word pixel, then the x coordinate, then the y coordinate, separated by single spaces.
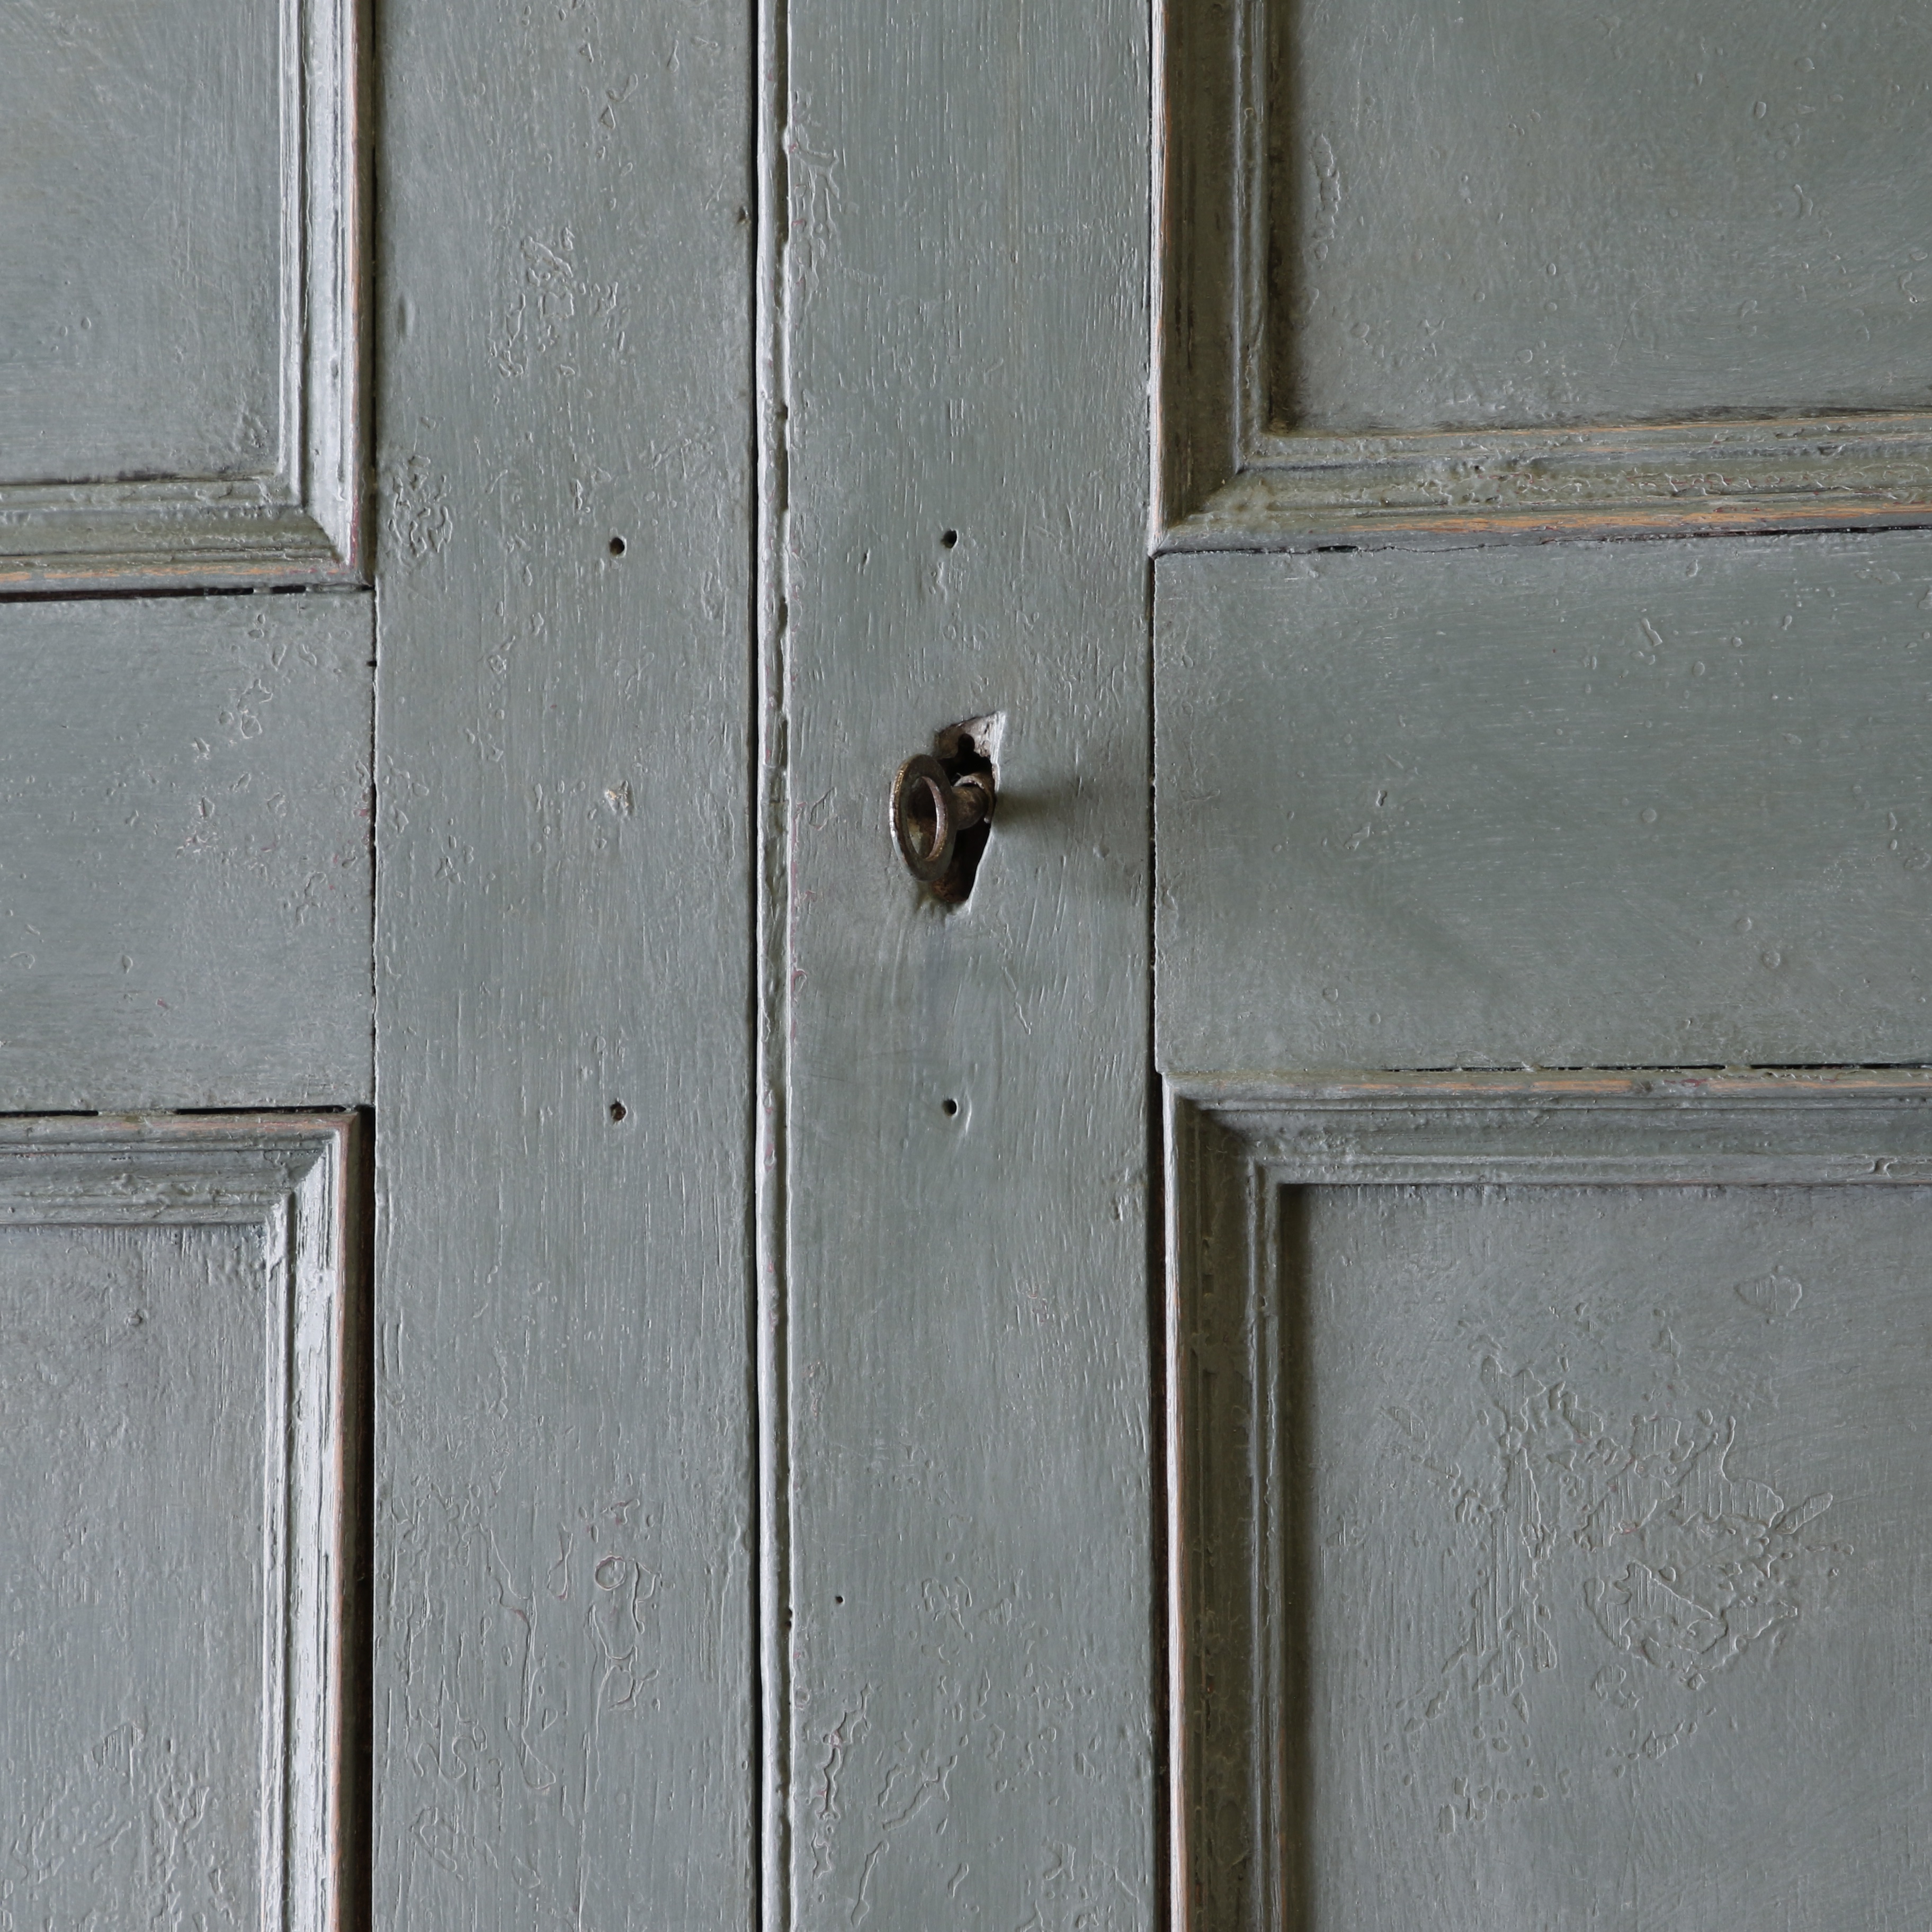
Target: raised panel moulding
pixel 181 380
pixel 186 884
pixel 1395 307
pixel 1545 1474
pixel 182 1418
pixel 1633 805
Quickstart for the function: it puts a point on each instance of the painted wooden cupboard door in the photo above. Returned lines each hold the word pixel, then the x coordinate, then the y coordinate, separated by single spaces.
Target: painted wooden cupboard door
pixel 1543 835
pixel 1357 1323
pixel 374 500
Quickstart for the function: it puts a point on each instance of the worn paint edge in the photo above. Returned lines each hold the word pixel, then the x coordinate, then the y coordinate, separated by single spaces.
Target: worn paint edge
pixel 1161 147
pixel 1176 1164
pixel 1261 510
pixel 279 552
pixel 772 967
pixel 1197 194
pixel 1227 1092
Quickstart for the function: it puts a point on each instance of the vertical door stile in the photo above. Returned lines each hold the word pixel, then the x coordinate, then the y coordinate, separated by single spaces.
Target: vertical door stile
pixel 974 1596
pixel 772 816
pixel 565 1688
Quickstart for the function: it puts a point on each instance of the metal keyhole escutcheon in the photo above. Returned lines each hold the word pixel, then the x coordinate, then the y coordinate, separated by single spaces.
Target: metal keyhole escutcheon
pixel 930 808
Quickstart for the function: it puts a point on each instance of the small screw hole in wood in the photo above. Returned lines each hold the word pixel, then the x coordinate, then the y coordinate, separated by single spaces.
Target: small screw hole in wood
pixel 949 1107
pixel 619 1111
pixel 948 538
pixel 618 546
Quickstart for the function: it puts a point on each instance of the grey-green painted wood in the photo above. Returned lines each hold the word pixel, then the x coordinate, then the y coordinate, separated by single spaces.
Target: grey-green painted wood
pixel 130 344
pixel 175 1354
pixel 564 1645
pixel 972 1591
pixel 1545 1544
pixel 180 363
pixel 1512 215
pixel 1591 805
pixel 1602 805
pixel 185 884
pixel 1693 1555
pixel 1406 254
pixel 1454 488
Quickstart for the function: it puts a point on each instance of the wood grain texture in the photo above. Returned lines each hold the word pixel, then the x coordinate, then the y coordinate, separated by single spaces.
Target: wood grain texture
pixel 972 1580
pixel 176 1473
pixel 1409 258
pixel 1452 488
pixel 565 1708
pixel 180 365
pixel 185 890
pixel 1606 805
pixel 1459 1637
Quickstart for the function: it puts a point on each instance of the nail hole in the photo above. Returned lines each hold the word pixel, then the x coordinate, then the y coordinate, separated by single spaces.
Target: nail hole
pixel 618 546
pixel 948 538
pixel 949 1107
pixel 839 1600
pixel 619 1111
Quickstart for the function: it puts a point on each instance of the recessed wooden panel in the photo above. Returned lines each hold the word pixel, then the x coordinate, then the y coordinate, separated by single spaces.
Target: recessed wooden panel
pixel 174 1424
pixel 1551 1467
pixel 185 889
pixel 1502 214
pixel 178 352
pixel 1612 804
pixel 570 1529
pixel 1510 268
